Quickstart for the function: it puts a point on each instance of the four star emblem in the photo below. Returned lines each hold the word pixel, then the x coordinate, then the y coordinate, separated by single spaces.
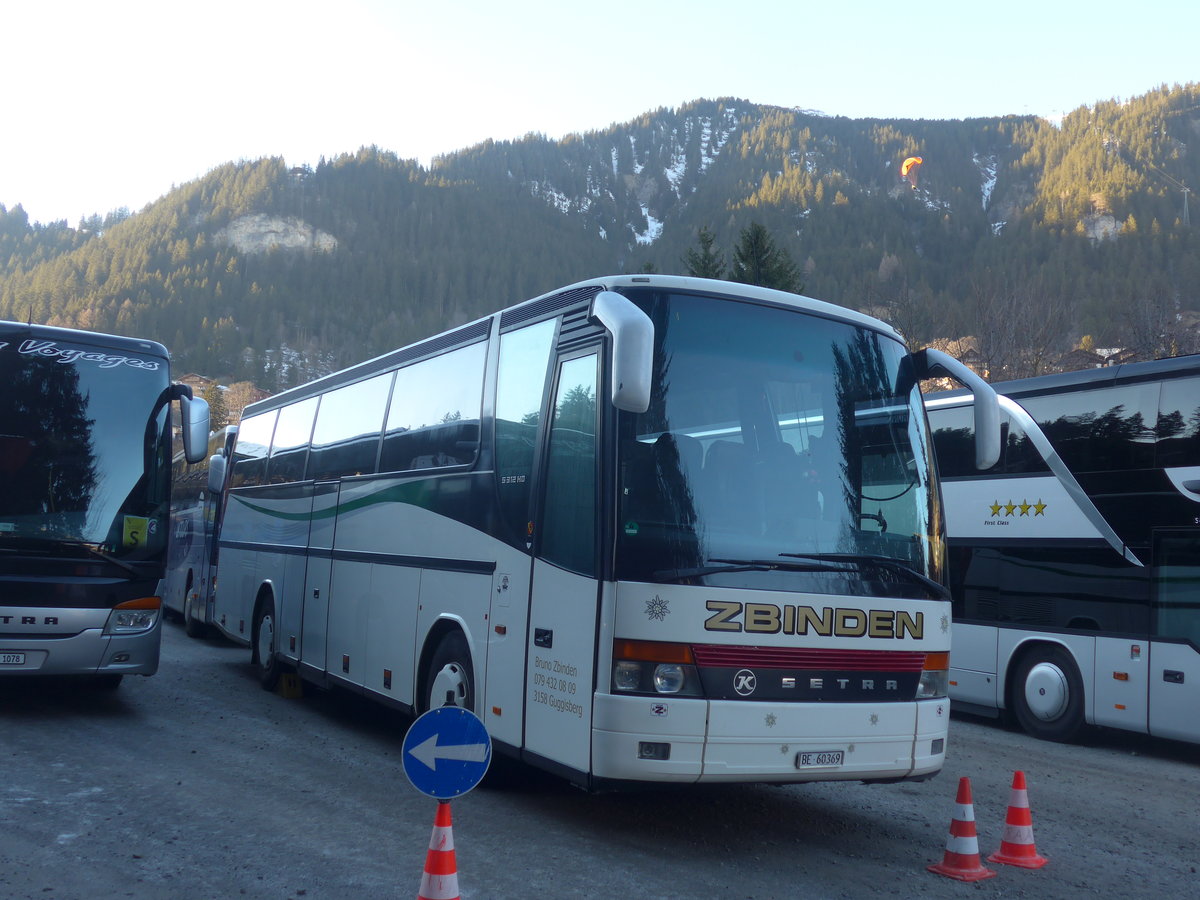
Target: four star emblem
pixel 1039 508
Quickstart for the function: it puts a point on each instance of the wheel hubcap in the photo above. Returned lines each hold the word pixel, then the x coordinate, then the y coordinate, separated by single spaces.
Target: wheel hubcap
pixel 451 679
pixel 266 641
pixel 1047 691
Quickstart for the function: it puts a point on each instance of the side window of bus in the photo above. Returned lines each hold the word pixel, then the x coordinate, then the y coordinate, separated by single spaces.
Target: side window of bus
pixel 1177 584
pixel 568 526
pixel 289 449
pixel 1019 456
pixel 250 453
pixel 1178 430
pixel 1100 430
pixel 520 389
pixel 433 420
pixel 346 437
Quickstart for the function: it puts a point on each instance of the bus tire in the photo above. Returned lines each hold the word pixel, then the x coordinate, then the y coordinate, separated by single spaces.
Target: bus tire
pixel 192 626
pixel 264 656
pixel 450 672
pixel 1047 694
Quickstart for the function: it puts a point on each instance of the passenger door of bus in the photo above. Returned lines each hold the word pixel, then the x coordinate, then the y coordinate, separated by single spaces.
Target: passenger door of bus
pixel 1175 650
pixel 314 626
pixel 564 598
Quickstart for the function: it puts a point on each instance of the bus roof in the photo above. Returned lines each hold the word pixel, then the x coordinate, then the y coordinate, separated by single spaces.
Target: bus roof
pixel 108 341
pixel 1083 379
pixel 529 309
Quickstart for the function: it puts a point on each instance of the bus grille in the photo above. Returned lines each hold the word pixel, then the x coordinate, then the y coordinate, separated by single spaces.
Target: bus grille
pixel 806 658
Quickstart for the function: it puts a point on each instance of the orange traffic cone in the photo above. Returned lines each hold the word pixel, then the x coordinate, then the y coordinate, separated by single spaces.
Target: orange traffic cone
pixel 440 881
pixel 961 860
pixel 1017 847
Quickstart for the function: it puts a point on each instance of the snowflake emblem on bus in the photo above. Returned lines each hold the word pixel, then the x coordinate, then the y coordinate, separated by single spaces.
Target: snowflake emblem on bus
pixel 945 623
pixel 657 608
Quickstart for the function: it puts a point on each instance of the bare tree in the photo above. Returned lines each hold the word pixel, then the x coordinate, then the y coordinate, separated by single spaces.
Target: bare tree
pixel 1021 327
pixel 1156 325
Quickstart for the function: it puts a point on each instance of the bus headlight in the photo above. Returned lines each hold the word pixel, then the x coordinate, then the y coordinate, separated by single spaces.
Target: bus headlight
pixel 669 678
pixel 133 616
pixel 935 677
pixel 654 667
pixel 627 675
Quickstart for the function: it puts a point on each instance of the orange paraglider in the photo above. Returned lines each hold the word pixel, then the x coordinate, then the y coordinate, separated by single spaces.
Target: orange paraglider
pixel 908 169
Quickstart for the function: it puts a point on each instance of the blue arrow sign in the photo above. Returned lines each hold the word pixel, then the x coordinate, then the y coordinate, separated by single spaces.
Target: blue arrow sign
pixel 447 752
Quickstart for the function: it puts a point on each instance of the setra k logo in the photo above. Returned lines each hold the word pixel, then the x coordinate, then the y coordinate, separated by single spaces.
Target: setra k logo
pixel 744 682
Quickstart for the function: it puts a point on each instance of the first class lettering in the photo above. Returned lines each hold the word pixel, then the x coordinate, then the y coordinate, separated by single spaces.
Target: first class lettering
pixel 767 618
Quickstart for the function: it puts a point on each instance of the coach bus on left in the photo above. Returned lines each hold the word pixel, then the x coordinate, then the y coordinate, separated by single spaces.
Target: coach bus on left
pixel 85 481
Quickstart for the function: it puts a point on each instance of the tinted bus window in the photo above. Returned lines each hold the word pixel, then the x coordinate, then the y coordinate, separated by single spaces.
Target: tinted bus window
pixel 1178 430
pixel 954 441
pixel 250 458
pixel 433 420
pixel 346 437
pixel 1101 430
pixel 289 449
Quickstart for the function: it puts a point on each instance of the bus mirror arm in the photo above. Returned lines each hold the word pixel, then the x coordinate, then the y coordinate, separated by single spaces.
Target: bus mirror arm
pixel 632 349
pixel 931 363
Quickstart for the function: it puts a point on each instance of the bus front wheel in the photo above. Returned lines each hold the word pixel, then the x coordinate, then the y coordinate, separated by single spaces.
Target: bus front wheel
pixel 1048 695
pixel 192 627
pixel 449 674
pixel 264 646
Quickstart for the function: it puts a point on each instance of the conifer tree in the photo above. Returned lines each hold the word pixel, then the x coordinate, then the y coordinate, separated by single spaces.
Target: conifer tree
pixel 707 262
pixel 218 411
pixel 756 260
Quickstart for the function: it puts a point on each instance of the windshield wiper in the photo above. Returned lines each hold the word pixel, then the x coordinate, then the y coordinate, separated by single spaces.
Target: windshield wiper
pixel 727 566
pixel 752 565
pixel 860 560
pixel 50 545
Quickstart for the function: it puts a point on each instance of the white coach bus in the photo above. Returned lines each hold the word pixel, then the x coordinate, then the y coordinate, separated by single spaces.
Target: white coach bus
pixel 1075 560
pixel 649 528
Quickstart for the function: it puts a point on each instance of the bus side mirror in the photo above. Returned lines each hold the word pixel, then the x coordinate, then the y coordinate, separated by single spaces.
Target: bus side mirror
pixel 632 350
pixel 216 474
pixel 193 418
pixel 931 363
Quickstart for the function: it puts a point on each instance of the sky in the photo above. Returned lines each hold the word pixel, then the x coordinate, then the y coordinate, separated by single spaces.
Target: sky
pixel 112 103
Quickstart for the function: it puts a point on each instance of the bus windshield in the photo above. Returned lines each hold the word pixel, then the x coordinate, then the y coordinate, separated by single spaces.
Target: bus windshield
pixel 781 450
pixel 85 447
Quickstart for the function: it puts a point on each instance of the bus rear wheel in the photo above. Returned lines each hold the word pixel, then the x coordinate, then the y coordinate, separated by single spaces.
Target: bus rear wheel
pixel 450 674
pixel 1047 695
pixel 264 646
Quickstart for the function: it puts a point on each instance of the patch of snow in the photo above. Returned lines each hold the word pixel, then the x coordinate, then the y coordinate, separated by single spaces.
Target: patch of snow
pixel 988 166
pixel 555 198
pixel 653 231
pixel 997 227
pixel 933 204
